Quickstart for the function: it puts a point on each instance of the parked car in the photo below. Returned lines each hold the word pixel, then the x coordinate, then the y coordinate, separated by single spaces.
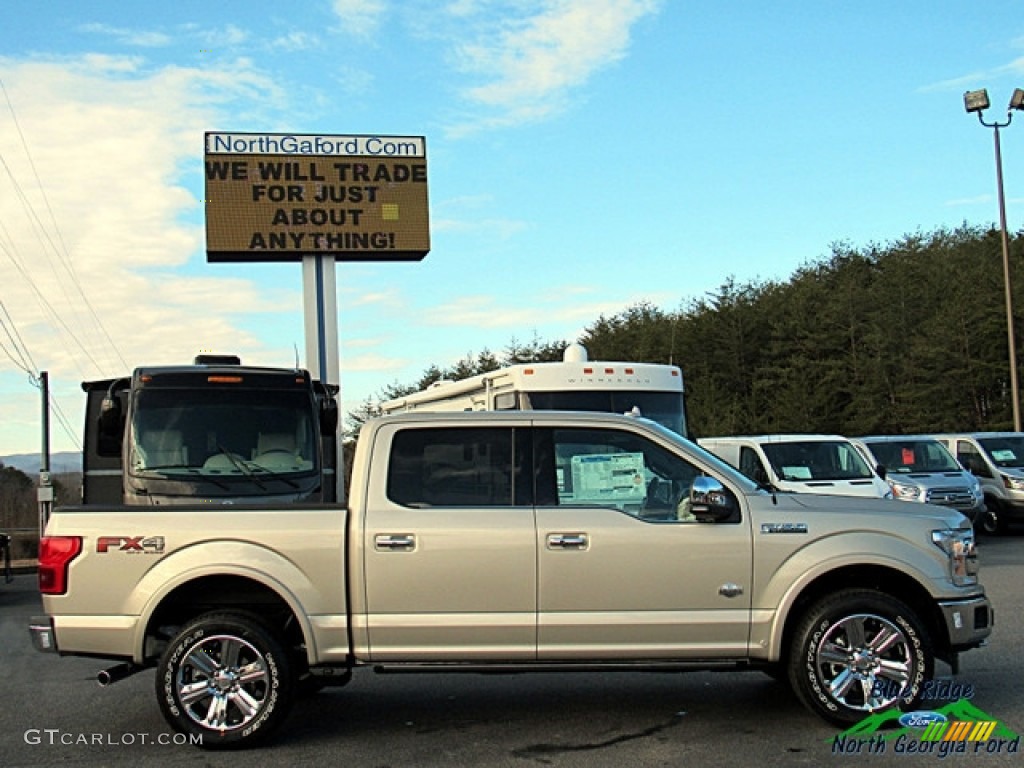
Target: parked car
pixel 826 464
pixel 997 460
pixel 920 468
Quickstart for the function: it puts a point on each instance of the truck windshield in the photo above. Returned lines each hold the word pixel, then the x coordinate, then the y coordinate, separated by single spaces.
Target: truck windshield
pixel 816 460
pixel 666 408
pixel 221 433
pixel 904 456
pixel 1005 451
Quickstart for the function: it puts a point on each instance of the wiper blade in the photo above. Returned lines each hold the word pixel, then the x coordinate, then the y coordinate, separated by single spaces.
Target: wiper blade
pixel 190 470
pixel 273 475
pixel 242 467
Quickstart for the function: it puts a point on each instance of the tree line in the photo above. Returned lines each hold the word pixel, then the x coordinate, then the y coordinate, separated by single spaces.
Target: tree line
pixel 19 507
pixel 899 338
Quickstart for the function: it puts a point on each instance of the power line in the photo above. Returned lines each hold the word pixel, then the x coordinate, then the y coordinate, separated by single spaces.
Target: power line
pixel 23 359
pixel 60 249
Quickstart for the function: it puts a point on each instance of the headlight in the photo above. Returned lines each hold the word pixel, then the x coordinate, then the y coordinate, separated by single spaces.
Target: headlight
pixel 904 492
pixel 1013 483
pixel 963 558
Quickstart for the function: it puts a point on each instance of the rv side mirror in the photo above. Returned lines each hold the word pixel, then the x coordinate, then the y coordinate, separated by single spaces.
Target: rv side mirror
pixel 710 502
pixel 328 416
pixel 111 427
pixel 110 414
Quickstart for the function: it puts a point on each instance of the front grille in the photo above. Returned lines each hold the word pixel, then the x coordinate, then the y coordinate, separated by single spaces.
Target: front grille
pixel 959 498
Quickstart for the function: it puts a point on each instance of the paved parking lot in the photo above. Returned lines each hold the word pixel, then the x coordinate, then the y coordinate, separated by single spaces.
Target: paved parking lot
pixel 54 712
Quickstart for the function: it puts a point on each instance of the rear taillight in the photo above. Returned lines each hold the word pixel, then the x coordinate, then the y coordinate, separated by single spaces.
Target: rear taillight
pixel 55 555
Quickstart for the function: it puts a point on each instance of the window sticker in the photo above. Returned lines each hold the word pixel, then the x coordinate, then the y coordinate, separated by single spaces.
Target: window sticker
pixel 796 473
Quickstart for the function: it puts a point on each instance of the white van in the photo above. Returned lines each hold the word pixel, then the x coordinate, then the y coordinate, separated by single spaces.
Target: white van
pixel 827 464
pixel 997 460
pixel 920 468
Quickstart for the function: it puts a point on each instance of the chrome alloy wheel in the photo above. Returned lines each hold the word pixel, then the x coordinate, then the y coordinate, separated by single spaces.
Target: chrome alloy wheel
pixel 866 661
pixel 223 682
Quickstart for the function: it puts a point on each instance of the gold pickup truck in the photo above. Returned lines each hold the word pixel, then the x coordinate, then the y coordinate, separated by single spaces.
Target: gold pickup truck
pixel 513 541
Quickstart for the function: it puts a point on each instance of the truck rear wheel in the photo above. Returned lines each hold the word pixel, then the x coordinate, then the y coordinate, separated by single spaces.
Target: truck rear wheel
pixel 858 652
pixel 226 678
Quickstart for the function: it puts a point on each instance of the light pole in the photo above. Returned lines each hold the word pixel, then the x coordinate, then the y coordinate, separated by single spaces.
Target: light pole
pixel 977 101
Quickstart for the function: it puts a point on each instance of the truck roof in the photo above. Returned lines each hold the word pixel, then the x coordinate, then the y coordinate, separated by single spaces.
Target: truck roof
pixel 515 417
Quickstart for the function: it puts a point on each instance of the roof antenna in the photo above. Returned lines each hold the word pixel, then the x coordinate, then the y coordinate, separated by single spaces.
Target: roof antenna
pixel 296 346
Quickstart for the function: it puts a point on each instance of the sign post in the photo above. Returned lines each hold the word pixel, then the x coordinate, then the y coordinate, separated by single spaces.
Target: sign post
pixel 316 199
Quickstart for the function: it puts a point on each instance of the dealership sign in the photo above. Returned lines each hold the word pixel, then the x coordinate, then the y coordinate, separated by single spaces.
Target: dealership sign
pixel 279 197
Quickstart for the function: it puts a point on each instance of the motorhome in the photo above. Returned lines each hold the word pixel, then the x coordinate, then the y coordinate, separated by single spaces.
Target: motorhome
pixel 652 390
pixel 825 464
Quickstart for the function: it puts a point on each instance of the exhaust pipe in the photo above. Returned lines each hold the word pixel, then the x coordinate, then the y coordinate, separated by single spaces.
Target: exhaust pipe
pixel 117 672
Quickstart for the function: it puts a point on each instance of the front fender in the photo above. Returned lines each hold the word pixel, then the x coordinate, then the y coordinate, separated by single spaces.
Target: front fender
pixel 788 577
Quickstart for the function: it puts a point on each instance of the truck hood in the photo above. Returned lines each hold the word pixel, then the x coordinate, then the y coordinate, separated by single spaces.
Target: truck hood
pixel 861 508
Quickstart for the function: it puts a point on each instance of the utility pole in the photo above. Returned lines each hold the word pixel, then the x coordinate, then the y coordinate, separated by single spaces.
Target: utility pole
pixel 45 490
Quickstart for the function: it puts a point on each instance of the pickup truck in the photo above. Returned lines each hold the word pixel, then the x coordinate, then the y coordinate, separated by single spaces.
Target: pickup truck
pixel 513 541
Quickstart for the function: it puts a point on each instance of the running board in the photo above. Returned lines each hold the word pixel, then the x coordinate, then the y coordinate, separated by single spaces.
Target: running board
pixel 510 668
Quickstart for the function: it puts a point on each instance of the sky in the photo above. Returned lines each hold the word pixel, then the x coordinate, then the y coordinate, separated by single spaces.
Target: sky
pixel 584 156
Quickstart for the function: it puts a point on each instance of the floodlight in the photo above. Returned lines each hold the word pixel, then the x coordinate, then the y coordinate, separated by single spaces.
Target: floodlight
pixel 1017 99
pixel 976 101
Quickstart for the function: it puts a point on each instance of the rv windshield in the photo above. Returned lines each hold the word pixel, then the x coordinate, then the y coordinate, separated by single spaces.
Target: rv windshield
pixel 816 460
pixel 666 408
pixel 1006 452
pixel 222 433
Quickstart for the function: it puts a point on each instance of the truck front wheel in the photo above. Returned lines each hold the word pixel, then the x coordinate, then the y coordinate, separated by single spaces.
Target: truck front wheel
pixel 858 652
pixel 225 678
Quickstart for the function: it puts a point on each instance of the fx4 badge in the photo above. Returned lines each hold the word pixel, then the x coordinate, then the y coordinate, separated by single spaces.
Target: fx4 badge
pixel 134 545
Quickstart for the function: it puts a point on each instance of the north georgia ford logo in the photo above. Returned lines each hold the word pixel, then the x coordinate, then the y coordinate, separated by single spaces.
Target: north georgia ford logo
pixel 921 719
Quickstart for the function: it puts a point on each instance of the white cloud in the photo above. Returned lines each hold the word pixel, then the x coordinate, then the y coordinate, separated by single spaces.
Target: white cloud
pixel 296 41
pixel 974 80
pixel 360 17
pixel 552 314
pixel 531 63
pixel 138 37
pixel 118 150
pixel 224 37
pixel 499 229
pixel 373 363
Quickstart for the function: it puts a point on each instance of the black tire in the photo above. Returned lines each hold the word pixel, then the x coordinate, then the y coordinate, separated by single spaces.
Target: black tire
pixel 858 652
pixel 227 678
pixel 988 523
pixel 992 521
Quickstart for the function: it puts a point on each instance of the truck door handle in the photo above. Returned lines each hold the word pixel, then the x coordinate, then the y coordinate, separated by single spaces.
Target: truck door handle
pixel 388 542
pixel 567 541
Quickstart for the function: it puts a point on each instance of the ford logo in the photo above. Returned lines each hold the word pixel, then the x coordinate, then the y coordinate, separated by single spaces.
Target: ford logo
pixel 921 719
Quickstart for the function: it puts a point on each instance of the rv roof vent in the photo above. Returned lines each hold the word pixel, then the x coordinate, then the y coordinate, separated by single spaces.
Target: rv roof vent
pixel 218 360
pixel 575 353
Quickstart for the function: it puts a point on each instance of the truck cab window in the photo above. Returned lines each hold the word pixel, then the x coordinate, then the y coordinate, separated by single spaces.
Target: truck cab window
pixel 454 468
